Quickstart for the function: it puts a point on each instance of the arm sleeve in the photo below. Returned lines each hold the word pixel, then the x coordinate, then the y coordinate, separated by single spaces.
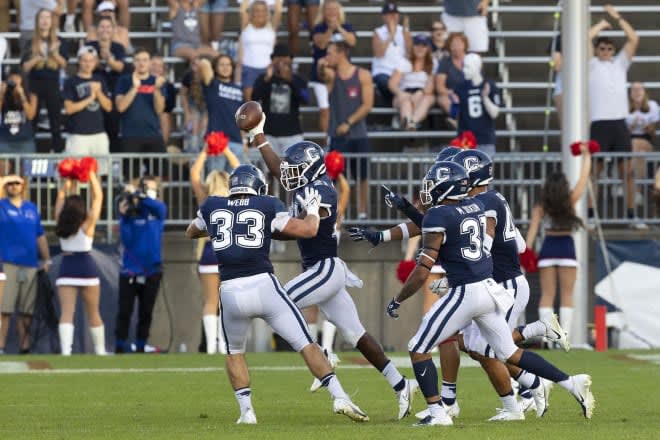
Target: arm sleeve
pixel 414 215
pixel 282 217
pixel 125 231
pixel 155 208
pixel 67 91
pixel 123 84
pixel 520 242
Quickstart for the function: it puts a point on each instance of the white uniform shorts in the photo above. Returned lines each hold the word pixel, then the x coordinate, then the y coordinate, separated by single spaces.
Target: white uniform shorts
pixel 472 337
pixel 324 284
pixel 259 296
pixel 485 302
pixel 475 29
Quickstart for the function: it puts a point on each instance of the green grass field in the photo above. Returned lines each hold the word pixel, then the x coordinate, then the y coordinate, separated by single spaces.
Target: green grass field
pixel 190 398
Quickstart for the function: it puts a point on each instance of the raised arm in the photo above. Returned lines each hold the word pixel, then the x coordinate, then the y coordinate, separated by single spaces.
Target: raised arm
pixel 581 185
pixel 205 70
pixel 173 8
pixel 65 190
pixel 243 11
pixel 97 203
pixel 277 15
pixel 632 38
pixel 593 32
pixel 196 178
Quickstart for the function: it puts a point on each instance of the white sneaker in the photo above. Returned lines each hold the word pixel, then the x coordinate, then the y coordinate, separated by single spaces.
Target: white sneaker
pixel 350 410
pixel 334 360
pixel 547 387
pixel 583 394
pixel 405 397
pixel 527 404
pixel 554 332
pixel 452 411
pixel 540 399
pixel 247 418
pixel 504 415
pixel 443 420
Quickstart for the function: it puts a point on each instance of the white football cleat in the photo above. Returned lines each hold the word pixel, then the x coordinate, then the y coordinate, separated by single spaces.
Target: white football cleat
pixel 554 332
pixel 405 397
pixel 547 387
pixel 452 411
pixel 350 410
pixel 334 360
pixel 540 396
pixel 442 420
pixel 504 415
pixel 583 394
pixel 247 418
pixel 527 404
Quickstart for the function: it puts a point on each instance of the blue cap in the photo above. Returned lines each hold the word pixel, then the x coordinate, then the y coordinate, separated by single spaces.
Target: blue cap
pixel 422 39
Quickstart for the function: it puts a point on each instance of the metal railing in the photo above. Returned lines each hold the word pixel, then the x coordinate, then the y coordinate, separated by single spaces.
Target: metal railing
pixel 519 177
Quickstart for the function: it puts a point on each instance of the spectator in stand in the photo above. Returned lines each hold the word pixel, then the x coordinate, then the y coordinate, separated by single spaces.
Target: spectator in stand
pixel 258 36
pixel 120 31
pixel 101 7
pixel 557 255
pixel 222 98
pixel 186 34
pixel 85 100
pixel 216 184
pixel 28 11
pixel 21 240
pixel 18 107
pixel 412 84
pixel 390 43
pixel 471 18
pixel 608 101
pixel 438 42
pixel 449 73
pixel 141 225
pixel 212 20
pixel 110 67
pixel 194 108
pixel 294 8
pixel 42 62
pixel 351 99
pixel 140 101
pixel 281 92
pixel 643 114
pixel 477 101
pixel 158 69
pixel 78 271
pixel 330 21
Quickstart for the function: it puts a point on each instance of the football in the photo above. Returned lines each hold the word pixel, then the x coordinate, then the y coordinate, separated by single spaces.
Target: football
pixel 248 115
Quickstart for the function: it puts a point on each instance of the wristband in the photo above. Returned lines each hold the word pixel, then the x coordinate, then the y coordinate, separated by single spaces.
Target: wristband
pixel 260 146
pixel 386 235
pixel 404 231
pixel 488 242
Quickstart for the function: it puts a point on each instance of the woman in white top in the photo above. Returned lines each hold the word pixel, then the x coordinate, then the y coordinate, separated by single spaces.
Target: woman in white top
pixel 412 84
pixel 258 35
pixel 642 117
pixel 215 184
pixel 78 272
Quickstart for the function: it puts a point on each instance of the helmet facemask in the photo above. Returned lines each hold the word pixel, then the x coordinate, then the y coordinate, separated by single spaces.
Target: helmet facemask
pixel 293 177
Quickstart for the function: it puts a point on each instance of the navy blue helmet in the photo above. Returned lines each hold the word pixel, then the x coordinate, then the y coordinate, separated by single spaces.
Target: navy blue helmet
pixel 445 180
pixel 478 165
pixel 447 153
pixel 247 179
pixel 303 163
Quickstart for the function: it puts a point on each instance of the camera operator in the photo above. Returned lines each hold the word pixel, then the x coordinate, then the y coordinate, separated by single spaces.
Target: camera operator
pixel 19 107
pixel 141 222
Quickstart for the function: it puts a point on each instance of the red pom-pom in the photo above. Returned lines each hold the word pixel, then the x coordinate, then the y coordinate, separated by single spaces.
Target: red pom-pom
pixel 468 140
pixel 334 164
pixel 216 143
pixel 404 269
pixel 81 172
pixel 529 260
pixel 89 163
pixel 67 167
pixel 594 146
pixel 456 142
pixel 575 148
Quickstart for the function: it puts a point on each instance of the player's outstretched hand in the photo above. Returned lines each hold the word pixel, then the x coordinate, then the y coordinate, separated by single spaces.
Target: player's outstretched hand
pixel 392 308
pixel 440 286
pixel 311 203
pixel 395 200
pixel 259 128
pixel 359 234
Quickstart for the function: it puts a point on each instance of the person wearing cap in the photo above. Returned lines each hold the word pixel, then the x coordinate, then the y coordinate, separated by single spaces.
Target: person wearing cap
pixel 412 84
pixel 85 100
pixel 108 9
pixel 281 92
pixel 22 240
pixel 469 17
pixel 42 61
pixel 18 107
pixel 390 44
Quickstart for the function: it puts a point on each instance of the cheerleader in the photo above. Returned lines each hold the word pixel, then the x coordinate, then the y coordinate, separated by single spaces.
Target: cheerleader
pixel 216 184
pixel 557 256
pixel 78 272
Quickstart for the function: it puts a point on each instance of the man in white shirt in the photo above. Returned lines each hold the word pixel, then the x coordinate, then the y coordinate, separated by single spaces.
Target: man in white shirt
pixel 608 98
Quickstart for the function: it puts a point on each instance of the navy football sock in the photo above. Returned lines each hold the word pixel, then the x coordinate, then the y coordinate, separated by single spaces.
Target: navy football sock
pixel 534 363
pixel 427 377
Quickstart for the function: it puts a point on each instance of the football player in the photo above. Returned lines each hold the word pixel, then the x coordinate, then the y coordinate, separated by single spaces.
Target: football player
pixel 241 227
pixel 325 276
pixel 454 230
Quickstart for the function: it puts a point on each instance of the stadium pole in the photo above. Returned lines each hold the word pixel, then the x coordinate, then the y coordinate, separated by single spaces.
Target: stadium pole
pixel 575 122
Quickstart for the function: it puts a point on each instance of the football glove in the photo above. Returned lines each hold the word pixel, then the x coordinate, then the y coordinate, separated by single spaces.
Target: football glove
pixel 359 234
pixel 392 308
pixel 259 128
pixel 311 203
